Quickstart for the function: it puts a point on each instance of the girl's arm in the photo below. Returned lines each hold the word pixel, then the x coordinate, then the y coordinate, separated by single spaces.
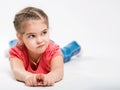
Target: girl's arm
pixel 56 73
pixel 21 74
pixel 57 67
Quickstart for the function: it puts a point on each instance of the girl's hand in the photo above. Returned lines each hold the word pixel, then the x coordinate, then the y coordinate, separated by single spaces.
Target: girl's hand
pixel 46 79
pixel 40 79
pixel 31 80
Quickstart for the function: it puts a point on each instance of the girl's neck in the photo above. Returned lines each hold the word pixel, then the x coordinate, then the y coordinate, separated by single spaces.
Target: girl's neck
pixel 34 57
pixel 34 61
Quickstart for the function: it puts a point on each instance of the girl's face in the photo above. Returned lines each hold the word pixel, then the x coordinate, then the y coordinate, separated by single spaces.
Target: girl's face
pixel 36 36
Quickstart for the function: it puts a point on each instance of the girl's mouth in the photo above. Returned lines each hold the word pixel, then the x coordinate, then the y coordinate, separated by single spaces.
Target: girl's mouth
pixel 40 46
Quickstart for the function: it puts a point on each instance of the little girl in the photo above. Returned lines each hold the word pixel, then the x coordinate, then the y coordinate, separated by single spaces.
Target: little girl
pixel 35 59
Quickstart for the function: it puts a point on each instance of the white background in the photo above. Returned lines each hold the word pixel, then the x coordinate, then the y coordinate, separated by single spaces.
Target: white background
pixel 94 24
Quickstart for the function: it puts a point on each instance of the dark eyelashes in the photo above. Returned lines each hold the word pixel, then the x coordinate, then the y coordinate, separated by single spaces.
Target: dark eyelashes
pixel 45 32
pixel 31 36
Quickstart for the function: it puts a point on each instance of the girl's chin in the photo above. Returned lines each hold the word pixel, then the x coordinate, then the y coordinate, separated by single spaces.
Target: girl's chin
pixel 41 52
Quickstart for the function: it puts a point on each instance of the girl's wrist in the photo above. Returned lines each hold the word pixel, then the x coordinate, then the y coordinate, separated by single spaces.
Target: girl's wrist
pixel 27 76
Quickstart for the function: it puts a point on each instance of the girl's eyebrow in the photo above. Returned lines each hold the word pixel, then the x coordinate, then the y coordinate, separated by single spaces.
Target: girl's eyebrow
pixel 30 33
pixel 44 30
pixel 35 33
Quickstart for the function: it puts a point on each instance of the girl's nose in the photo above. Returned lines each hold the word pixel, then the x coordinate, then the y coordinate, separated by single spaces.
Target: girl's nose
pixel 39 40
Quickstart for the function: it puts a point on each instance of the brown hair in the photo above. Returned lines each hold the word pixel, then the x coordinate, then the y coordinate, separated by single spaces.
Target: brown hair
pixel 29 13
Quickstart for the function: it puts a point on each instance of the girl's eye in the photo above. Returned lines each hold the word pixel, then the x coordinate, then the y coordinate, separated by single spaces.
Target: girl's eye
pixel 31 36
pixel 43 33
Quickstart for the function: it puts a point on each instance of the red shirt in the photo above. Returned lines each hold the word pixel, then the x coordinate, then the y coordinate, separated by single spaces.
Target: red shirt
pixel 44 63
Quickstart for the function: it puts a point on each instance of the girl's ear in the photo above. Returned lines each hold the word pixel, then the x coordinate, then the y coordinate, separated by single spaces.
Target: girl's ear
pixel 19 36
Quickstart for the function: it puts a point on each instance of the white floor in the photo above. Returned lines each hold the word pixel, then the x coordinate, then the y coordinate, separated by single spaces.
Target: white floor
pixel 94 24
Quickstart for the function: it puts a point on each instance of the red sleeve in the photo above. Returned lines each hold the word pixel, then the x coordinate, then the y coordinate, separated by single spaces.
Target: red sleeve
pixel 19 53
pixel 52 51
pixel 15 52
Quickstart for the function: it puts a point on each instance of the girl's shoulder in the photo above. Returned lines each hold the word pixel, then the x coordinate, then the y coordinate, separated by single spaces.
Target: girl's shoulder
pixel 52 49
pixel 18 49
pixel 53 46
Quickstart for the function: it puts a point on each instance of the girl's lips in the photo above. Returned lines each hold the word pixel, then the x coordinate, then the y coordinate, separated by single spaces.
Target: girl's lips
pixel 40 46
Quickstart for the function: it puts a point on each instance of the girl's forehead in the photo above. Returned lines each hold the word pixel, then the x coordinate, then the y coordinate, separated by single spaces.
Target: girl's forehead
pixel 32 24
